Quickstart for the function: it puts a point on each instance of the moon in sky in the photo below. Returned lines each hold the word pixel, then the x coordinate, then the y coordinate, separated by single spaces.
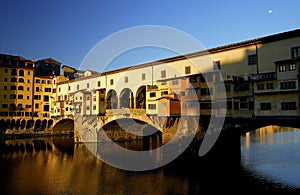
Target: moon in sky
pixel 270 11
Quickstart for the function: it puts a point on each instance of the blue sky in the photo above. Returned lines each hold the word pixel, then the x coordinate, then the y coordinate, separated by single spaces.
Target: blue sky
pixel 68 30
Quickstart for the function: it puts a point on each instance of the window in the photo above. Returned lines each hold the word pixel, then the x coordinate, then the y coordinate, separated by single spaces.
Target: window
pixel 37 81
pixel 152 106
pixel 252 59
pixel 49 82
pixel 5 87
pixel 21 72
pixel 4 106
pixel 282 68
pixel 244 105
pixel 37 97
pixel 143 76
pixel 12 96
pixel 13 79
pixel 77 87
pixel 99 84
pixel 164 93
pixel 111 81
pixel 288 85
pixel 175 82
pixel 94 107
pixel 4 96
pixel 28 81
pixel 288 106
pixel 21 80
pixel 28 89
pixel 187 70
pixel 295 52
pixel 36 106
pixel 216 65
pixel 87 85
pixel 5 79
pixel 87 108
pixel 265 106
pixel 193 104
pixel 126 79
pixel 182 93
pixel 13 72
pixel 292 67
pixel 28 73
pixel 192 92
pixel 28 106
pixel 163 74
pixel 13 87
pixel 153 94
pixel 270 86
pixel 20 88
pixel 5 70
pixel 46 98
pixel 20 106
pixel 206 91
pixel 260 86
pixel 69 88
pixel 46 108
pixel 28 97
pixel 47 89
pixel 43 81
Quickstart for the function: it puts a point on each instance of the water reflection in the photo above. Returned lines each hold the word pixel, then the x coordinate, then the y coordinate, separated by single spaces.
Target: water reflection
pixel 58 166
pixel 273 153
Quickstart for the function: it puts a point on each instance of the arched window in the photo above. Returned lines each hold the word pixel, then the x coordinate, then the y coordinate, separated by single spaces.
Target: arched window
pixel 21 80
pixel 13 87
pixel 20 88
pixel 20 97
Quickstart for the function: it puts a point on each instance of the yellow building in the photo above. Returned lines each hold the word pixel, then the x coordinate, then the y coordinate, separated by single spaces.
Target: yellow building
pixel 42 97
pixel 16 88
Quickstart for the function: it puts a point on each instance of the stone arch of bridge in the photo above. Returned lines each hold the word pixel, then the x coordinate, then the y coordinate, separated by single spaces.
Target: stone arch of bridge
pixel 133 126
pixel 64 126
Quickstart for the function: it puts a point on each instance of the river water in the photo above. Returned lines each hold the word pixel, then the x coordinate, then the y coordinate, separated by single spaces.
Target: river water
pixel 270 162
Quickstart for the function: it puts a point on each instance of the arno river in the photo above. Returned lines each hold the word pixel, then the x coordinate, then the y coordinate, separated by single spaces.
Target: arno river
pixel 270 162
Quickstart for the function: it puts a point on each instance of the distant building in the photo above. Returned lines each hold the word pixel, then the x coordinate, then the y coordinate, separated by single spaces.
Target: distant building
pixel 47 67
